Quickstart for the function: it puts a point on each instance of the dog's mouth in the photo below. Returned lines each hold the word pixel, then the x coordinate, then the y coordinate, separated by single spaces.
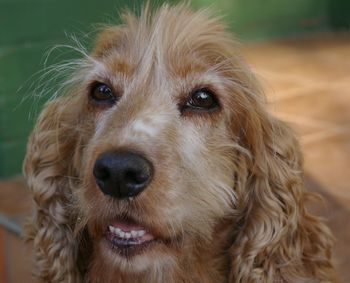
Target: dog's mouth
pixel 128 238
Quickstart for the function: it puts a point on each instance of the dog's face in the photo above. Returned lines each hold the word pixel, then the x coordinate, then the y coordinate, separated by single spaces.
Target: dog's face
pixel 162 164
pixel 159 150
pixel 158 112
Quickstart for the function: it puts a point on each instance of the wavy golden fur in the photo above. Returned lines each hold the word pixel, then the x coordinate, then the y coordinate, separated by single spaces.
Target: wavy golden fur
pixel 227 201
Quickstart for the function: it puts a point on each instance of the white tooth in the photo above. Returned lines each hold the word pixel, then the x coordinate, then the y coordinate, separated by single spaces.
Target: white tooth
pixel 140 233
pixel 134 234
pixel 117 230
pixel 122 234
pixel 127 235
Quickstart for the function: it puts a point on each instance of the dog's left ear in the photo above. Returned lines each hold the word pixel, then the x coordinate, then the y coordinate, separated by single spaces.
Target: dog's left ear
pixel 279 241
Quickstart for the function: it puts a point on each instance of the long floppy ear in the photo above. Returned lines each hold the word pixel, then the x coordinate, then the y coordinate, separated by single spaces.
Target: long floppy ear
pixel 278 240
pixel 47 169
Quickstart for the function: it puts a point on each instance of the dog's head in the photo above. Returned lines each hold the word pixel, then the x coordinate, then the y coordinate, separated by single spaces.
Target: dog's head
pixel 163 150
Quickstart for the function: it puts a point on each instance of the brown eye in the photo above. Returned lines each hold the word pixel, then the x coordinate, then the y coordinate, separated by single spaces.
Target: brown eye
pixel 103 94
pixel 202 100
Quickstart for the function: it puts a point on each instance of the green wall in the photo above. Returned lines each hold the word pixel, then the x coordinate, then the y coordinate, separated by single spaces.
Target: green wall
pixel 29 28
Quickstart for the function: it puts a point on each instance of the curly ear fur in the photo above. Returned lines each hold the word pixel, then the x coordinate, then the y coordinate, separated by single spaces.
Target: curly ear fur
pixel 47 167
pixel 279 240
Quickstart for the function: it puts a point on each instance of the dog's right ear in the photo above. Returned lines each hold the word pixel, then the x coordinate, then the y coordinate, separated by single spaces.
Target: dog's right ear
pixel 46 167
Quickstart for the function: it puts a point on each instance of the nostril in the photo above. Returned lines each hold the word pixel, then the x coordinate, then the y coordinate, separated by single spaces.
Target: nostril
pixel 101 172
pixel 136 177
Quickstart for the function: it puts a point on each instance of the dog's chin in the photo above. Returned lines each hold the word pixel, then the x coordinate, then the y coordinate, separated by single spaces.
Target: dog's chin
pixel 132 247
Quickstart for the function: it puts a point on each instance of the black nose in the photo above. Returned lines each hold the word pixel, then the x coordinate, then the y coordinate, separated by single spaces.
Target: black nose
pixel 122 173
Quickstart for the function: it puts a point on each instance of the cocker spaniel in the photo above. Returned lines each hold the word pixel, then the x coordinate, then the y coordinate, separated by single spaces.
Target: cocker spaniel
pixel 161 164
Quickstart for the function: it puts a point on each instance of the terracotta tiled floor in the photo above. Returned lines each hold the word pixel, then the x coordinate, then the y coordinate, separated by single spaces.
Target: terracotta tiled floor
pixel 307 83
pixel 15 257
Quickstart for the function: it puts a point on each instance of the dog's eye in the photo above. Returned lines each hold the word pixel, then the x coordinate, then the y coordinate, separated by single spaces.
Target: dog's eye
pixel 102 93
pixel 202 99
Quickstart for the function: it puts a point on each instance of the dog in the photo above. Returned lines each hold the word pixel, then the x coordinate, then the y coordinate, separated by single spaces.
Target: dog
pixel 161 163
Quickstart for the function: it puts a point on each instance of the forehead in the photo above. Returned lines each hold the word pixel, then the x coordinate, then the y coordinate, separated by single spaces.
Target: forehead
pixel 153 63
pixel 148 64
pixel 173 40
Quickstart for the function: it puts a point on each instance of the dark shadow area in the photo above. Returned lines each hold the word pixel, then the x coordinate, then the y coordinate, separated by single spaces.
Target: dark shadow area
pixel 339 14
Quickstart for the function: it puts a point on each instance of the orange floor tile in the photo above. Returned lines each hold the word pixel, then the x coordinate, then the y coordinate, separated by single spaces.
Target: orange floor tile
pixel 2 256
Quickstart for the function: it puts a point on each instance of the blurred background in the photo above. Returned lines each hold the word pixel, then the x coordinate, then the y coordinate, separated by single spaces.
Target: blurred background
pixel 299 49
